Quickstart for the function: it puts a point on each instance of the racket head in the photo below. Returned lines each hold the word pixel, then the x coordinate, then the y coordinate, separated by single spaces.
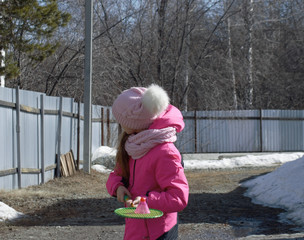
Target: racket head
pixel 130 213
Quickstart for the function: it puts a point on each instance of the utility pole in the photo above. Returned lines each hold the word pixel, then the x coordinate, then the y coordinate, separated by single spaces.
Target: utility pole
pixel 87 141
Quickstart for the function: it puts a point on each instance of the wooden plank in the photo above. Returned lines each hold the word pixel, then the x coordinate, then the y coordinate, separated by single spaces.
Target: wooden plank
pixel 68 173
pixel 72 161
pixel 64 167
pixel 28 109
pixel 7 104
pixel 62 172
pixel 25 170
pixel 67 114
pixel 31 170
pixel 51 167
pixel 51 112
pixel 69 163
pixel 8 172
pixel 69 167
pixel 96 119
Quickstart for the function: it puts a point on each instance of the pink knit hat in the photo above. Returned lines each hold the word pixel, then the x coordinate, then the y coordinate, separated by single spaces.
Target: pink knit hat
pixel 137 107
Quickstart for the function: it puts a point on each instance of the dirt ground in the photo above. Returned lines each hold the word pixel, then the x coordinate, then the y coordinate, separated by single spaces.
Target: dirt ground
pixel 79 207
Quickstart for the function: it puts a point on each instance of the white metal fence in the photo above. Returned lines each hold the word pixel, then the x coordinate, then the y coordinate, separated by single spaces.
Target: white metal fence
pixel 35 127
pixel 242 131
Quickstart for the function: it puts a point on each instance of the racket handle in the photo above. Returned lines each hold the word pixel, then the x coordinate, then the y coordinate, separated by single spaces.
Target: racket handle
pixel 126 198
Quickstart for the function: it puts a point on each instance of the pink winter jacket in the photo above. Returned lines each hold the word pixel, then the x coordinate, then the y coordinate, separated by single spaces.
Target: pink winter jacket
pixel 160 175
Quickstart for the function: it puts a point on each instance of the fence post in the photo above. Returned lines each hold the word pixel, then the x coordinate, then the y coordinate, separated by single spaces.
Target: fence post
pixel 195 130
pixel 102 123
pixel 261 130
pixel 42 136
pixel 78 136
pixel 108 127
pixel 59 137
pixel 18 136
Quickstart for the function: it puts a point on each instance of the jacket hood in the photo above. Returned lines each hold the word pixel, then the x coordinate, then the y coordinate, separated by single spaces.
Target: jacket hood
pixel 171 117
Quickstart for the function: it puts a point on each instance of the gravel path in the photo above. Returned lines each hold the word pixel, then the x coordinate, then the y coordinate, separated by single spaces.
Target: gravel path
pixel 79 207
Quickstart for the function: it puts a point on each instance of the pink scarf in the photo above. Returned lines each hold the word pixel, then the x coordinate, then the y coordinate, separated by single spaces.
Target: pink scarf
pixel 139 144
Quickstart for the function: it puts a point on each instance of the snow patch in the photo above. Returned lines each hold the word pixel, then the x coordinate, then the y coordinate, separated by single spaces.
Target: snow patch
pixel 282 188
pixel 8 213
pixel 105 156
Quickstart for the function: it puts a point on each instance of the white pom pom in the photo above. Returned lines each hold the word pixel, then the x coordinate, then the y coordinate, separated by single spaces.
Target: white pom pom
pixel 155 99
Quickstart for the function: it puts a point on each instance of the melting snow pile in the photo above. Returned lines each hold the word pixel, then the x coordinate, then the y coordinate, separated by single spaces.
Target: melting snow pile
pixel 8 213
pixel 104 156
pixel 244 161
pixel 282 188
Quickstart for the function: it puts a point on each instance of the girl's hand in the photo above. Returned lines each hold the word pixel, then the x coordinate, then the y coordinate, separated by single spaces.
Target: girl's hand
pixel 129 203
pixel 121 192
pixel 136 201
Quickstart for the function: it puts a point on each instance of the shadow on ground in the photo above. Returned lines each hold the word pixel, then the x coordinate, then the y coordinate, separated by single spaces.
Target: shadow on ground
pixel 231 208
pixel 75 212
pixel 236 210
pixel 227 208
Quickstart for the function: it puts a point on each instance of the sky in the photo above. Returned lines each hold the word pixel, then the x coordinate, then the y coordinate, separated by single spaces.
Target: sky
pixel 281 188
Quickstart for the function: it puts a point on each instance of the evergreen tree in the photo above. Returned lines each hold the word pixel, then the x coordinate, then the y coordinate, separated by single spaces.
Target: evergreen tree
pixel 26 30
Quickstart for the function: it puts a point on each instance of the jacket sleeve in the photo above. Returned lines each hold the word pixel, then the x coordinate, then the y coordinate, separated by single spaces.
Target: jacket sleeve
pixel 172 180
pixel 113 182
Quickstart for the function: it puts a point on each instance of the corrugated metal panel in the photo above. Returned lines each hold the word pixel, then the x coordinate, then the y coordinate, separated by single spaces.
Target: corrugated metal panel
pixel 96 128
pixel 50 133
pixel 285 133
pixel 218 133
pixel 186 139
pixel 30 135
pixel 211 131
pixel 67 130
pixel 7 140
pixel 29 138
pixel 113 138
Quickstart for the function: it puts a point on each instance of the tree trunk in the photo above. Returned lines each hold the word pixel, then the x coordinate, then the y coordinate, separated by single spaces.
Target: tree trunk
pixel 235 106
pixel 186 83
pixel 161 38
pixel 250 55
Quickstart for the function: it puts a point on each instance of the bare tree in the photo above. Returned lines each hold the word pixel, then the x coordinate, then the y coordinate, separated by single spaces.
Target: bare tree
pixel 228 4
pixel 250 23
pixel 230 54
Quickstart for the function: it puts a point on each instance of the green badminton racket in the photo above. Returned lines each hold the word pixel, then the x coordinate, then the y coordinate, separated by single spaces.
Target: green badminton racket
pixel 129 212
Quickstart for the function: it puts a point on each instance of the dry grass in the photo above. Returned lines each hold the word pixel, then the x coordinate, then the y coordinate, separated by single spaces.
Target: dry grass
pixel 80 185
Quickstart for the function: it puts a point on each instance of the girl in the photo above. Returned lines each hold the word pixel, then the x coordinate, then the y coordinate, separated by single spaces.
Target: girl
pixel 147 162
